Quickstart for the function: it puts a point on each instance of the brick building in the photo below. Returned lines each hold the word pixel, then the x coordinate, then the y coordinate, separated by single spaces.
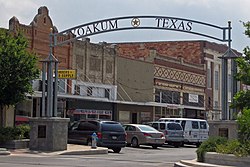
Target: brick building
pixel 95 87
pixel 37 33
pixel 202 72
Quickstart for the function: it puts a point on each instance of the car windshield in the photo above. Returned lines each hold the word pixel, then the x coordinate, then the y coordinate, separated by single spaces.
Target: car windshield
pixel 111 126
pixel 146 128
pixel 174 126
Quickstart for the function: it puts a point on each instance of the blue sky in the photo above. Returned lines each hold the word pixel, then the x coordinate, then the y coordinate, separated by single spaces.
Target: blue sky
pixel 66 14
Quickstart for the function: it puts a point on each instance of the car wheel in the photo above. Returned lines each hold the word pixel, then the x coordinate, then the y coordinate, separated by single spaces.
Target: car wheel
pixel 116 150
pixel 89 142
pixel 154 146
pixel 134 142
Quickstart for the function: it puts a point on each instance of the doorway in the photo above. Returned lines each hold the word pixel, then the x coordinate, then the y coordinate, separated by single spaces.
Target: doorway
pixel 134 118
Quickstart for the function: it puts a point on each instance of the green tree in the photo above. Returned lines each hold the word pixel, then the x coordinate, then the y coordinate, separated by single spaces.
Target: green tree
pixel 242 98
pixel 18 68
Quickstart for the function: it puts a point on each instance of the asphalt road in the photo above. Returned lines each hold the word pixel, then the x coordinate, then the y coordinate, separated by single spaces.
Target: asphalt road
pixel 128 157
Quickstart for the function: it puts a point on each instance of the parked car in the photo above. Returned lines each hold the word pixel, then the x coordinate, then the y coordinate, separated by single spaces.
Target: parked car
pixel 110 133
pixel 173 132
pixel 138 134
pixel 195 130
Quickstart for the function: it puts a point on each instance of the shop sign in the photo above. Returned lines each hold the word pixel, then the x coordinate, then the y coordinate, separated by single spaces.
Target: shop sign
pixel 192 98
pixel 67 74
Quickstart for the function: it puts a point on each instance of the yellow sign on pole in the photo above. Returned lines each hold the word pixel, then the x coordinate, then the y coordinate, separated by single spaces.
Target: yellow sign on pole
pixel 67 74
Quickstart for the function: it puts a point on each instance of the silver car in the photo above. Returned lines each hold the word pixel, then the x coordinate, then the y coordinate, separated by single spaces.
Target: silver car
pixel 173 132
pixel 138 134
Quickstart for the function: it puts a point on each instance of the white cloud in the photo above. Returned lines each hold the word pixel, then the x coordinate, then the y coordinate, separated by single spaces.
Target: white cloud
pixel 23 10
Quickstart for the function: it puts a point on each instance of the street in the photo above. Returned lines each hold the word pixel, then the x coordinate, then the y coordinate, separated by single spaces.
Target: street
pixel 140 157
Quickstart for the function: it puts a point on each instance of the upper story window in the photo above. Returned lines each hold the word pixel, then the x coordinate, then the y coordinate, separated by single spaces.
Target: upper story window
pixel 209 80
pixel 62 85
pixel 89 91
pixel 109 67
pixel 216 80
pixel 95 64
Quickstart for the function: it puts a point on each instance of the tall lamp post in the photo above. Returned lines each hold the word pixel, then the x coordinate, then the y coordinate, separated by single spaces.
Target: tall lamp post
pixel 47 129
pixel 50 63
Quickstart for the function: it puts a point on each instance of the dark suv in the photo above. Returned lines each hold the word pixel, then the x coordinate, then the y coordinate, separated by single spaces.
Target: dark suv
pixel 110 133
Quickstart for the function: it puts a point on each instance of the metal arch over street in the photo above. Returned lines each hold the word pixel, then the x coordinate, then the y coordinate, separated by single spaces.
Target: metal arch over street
pixel 144 22
pixel 223 34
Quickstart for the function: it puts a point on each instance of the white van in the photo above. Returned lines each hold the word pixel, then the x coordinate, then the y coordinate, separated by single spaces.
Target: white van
pixel 195 130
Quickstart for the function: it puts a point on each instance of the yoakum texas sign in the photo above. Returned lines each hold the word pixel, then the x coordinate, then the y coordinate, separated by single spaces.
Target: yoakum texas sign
pixel 146 22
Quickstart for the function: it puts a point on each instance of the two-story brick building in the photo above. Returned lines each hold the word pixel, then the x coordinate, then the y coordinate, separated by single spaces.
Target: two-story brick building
pixel 201 96
pixel 37 33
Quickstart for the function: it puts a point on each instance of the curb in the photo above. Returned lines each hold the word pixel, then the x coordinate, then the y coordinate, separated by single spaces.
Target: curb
pixel 194 163
pixel 86 152
pixel 4 151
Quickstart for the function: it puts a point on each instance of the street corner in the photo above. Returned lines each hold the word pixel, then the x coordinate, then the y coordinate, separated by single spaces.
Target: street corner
pixel 73 149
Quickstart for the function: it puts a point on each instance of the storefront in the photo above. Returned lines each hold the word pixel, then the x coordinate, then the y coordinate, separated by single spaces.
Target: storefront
pixel 77 114
pixel 89 109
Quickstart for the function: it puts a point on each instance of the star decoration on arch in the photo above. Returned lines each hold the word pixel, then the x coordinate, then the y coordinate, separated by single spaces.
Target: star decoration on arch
pixel 135 22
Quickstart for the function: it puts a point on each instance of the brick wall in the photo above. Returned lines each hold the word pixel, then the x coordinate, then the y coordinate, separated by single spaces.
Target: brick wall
pixel 37 34
pixel 191 51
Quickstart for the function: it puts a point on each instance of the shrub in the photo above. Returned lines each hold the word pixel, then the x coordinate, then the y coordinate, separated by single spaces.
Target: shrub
pixel 14 133
pixel 25 131
pixel 209 146
pixel 244 125
pixel 234 147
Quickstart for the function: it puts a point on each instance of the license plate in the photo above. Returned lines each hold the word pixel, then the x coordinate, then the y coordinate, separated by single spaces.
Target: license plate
pixel 114 137
pixel 156 141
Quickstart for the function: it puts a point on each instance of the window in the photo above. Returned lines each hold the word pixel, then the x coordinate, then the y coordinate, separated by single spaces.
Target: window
pixel 183 124
pixel 195 125
pixel 77 89
pixel 130 128
pixel 216 104
pixel 80 61
pixel 89 91
pixel 157 95
pixel 87 126
pixel 203 125
pixel 62 85
pixel 107 93
pixel 95 64
pixel 116 127
pixel 209 77
pixel 174 126
pixel 109 67
pixel 155 125
pixel 162 126
pixel 223 132
pixel 92 116
pixel 216 80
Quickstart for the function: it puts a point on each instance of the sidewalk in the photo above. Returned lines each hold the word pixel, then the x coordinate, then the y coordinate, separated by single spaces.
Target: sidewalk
pixel 72 149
